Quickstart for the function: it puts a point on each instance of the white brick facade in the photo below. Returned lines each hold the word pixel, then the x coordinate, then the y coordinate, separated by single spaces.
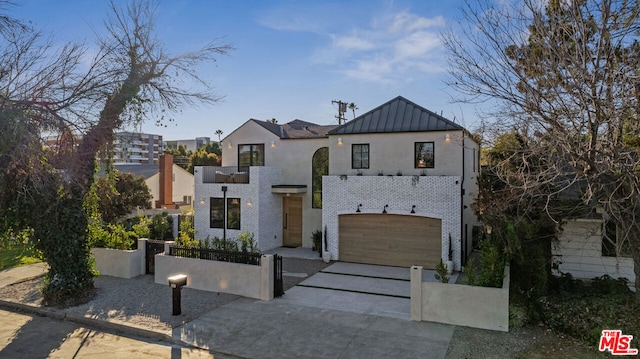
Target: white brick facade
pixel 433 196
pixel 260 210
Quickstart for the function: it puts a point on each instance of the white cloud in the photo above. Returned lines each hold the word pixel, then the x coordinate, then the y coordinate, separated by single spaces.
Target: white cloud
pixel 395 47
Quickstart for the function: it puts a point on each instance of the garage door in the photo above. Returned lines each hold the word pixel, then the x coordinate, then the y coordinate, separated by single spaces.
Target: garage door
pixel 390 239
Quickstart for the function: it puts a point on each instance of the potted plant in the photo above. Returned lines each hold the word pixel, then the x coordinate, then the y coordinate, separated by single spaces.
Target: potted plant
pixel 449 264
pixel 316 236
pixel 326 255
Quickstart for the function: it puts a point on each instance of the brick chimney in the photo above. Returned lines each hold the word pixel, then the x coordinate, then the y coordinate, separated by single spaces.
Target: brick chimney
pixel 166 182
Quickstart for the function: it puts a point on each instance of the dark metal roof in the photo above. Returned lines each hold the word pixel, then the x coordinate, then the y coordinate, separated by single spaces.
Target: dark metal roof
pixel 397 115
pixel 144 170
pixel 296 129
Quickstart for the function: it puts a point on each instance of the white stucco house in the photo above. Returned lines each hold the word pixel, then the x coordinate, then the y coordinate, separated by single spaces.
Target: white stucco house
pixel 393 186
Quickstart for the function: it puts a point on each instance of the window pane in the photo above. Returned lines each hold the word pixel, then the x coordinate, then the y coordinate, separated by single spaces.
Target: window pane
pixel 216 217
pixel 244 157
pixel 258 155
pixel 424 155
pixel 233 213
pixel 319 168
pixel 360 156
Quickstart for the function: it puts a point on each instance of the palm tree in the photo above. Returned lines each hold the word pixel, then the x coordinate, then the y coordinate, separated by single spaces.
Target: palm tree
pixel 219 133
pixel 353 107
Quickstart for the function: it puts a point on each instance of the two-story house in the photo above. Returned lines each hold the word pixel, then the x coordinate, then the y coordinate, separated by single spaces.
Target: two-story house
pixel 393 186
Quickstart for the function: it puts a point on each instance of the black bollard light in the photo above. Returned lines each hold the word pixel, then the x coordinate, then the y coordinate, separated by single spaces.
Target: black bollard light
pixel 177 282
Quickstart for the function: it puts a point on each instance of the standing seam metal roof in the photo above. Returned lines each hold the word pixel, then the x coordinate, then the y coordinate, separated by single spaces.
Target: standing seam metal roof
pixel 397 115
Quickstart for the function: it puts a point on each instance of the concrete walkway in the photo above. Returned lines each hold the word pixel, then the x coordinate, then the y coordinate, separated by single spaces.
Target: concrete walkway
pixel 22 273
pixel 339 324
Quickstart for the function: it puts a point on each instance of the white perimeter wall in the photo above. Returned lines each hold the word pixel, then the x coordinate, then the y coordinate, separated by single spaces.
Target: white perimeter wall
pixel 434 196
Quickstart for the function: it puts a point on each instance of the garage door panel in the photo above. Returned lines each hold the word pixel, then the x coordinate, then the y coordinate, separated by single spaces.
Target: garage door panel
pixel 387 239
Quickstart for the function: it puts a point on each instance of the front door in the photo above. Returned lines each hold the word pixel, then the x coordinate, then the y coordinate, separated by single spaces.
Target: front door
pixel 292 221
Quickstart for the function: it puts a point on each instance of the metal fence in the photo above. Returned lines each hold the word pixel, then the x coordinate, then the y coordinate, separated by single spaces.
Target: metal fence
pixel 215 255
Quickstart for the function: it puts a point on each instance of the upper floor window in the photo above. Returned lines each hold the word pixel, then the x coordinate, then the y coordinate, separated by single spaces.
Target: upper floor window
pixel 360 156
pixel 250 155
pixel 217 213
pixel 424 155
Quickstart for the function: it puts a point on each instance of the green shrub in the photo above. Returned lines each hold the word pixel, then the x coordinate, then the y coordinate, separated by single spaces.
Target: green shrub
pixel 316 237
pixel 492 262
pixel 470 273
pixel 441 272
pixel 583 311
pixel 142 227
pixel 119 237
pixel 247 242
pixel 162 227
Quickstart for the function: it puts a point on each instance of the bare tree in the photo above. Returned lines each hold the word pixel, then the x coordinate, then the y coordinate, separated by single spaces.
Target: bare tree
pixel 132 77
pixel 565 74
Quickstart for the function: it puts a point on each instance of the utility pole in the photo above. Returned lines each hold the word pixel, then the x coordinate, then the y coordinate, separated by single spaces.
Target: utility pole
pixel 342 108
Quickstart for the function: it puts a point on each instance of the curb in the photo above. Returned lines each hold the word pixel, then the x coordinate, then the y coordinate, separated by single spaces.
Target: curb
pixel 96 324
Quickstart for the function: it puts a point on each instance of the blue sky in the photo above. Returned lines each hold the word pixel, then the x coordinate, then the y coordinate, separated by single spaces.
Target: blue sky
pixel 292 58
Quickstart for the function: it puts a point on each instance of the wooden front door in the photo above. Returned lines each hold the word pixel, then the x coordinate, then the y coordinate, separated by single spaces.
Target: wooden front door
pixel 292 221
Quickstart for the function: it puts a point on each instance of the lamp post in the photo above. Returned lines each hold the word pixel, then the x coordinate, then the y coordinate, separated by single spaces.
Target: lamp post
pixel 224 215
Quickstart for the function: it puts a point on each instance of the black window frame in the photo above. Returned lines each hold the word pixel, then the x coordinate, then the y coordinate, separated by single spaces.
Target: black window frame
pixel 252 151
pixel 353 157
pixel 231 208
pixel 416 158
pixel 316 175
pixel 217 207
pixel 216 204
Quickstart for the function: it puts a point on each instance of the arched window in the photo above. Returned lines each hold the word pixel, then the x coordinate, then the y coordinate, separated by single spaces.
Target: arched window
pixel 319 168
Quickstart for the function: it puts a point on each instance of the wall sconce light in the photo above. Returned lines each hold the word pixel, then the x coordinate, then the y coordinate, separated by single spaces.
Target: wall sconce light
pixel 339 140
pixel 384 210
pixel 273 144
pixel 202 201
pixel 488 229
pixel 229 144
pixel 413 209
pixel 358 210
pixel 447 137
pixel 249 204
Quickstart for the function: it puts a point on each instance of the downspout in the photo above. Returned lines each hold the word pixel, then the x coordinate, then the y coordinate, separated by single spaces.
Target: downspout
pixel 462 234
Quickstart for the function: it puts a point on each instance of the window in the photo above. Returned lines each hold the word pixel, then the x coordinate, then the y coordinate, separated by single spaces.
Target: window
pixel 233 213
pixel 610 241
pixel 319 168
pixel 250 155
pixel 424 155
pixel 216 218
pixel 360 156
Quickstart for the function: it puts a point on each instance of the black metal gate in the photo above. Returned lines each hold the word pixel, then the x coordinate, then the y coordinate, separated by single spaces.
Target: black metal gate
pixel 153 247
pixel 278 287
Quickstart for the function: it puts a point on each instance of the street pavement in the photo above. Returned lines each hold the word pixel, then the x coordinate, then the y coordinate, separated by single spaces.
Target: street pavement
pixel 243 328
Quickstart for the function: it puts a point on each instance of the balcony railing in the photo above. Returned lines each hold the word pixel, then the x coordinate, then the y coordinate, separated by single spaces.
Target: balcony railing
pixel 224 175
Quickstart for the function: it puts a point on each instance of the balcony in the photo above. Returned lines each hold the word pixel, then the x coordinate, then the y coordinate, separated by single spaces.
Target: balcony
pixel 224 175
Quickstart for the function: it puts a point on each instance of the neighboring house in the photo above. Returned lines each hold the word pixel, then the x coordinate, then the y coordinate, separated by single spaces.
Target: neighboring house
pixel 393 186
pixel 170 185
pixel 586 249
pixel 134 147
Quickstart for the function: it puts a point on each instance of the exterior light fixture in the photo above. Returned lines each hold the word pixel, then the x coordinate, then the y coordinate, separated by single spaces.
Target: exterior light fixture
pixel 249 204
pixel 229 144
pixel 384 210
pixel 447 137
pixel 202 201
pixel 413 209
pixel 273 144
pixel 339 140
pixel 358 210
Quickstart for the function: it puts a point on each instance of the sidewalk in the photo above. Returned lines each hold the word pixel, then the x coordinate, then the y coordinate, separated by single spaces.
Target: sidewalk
pixel 241 327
